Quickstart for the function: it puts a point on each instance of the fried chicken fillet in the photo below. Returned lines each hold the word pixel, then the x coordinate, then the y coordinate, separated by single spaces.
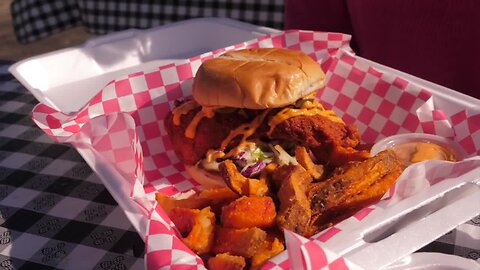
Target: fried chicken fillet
pixel 210 132
pixel 330 141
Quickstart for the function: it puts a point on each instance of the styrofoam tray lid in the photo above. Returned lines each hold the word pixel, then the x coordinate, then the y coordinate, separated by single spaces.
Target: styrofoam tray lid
pixel 67 79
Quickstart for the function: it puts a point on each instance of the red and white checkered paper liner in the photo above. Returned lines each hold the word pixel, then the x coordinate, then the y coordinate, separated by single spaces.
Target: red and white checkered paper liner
pixel 124 124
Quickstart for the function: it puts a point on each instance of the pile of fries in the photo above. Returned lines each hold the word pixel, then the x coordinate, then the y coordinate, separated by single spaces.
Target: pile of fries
pixel 240 226
pixel 231 228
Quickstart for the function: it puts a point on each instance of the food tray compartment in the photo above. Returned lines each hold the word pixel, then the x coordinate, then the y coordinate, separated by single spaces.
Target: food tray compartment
pixel 121 189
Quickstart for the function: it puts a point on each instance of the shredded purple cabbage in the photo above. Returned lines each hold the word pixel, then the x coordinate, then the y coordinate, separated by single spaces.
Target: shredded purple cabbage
pixel 253 169
pixel 240 159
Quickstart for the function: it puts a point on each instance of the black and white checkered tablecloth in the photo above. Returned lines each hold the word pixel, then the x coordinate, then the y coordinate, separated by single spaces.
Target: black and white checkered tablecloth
pixel 36 19
pixel 54 212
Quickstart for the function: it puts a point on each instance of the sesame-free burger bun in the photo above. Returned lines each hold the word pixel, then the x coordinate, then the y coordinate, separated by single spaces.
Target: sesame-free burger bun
pixel 257 78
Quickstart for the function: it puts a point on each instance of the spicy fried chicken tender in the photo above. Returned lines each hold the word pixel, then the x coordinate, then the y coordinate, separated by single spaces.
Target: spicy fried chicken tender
pixel 322 135
pixel 316 130
pixel 209 133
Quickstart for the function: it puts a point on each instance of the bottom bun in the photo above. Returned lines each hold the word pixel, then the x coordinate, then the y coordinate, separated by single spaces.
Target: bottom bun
pixel 205 178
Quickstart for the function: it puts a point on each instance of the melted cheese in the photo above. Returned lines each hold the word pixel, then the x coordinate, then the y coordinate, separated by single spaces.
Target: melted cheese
pixel 309 108
pixel 311 104
pixel 184 108
pixel 245 130
pixel 191 129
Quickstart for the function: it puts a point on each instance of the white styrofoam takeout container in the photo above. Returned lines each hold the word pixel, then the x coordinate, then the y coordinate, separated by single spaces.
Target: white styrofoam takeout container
pixel 67 79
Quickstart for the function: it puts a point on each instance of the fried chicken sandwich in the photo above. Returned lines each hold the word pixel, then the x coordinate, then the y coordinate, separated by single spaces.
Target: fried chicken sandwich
pixel 256 107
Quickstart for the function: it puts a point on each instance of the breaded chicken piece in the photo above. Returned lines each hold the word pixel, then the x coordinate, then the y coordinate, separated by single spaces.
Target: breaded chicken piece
pixel 208 135
pixel 315 131
pixel 331 142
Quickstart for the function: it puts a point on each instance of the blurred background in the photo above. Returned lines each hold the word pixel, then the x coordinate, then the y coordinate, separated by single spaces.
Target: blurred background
pixel 33 27
pixel 407 35
pixel 11 49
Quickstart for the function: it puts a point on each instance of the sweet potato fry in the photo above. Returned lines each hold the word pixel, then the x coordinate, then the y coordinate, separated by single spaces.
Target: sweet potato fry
pixel 218 195
pixel 247 212
pixel 239 183
pixel 294 213
pixel 342 155
pixel 225 261
pixel 193 202
pixel 183 218
pixel 266 173
pixel 208 197
pixel 239 242
pixel 269 248
pixel 201 238
pixel 197 225
pixel 353 187
pixel 317 171
pixel 279 175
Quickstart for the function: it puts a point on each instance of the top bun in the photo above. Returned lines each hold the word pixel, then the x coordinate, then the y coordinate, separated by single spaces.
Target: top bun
pixel 257 79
